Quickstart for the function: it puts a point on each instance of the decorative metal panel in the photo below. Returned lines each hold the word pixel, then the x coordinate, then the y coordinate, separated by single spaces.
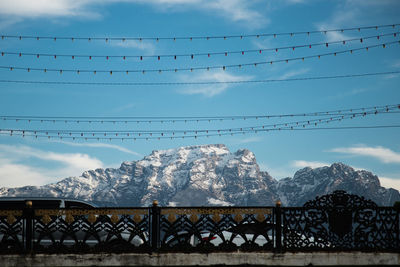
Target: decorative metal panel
pixel 11 231
pixel 214 229
pixel 80 230
pixel 340 221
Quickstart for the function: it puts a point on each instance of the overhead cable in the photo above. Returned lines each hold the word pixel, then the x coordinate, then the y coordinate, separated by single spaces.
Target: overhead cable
pixel 191 69
pixel 354 75
pixel 190 38
pixel 194 54
pixel 173 119
pixel 174 134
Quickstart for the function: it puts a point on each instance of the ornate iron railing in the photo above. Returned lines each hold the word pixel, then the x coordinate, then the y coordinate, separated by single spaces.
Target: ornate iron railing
pixel 11 231
pixel 211 229
pixel 338 221
pixel 92 230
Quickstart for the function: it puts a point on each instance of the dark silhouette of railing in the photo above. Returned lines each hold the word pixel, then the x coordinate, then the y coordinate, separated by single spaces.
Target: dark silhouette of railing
pixel 334 222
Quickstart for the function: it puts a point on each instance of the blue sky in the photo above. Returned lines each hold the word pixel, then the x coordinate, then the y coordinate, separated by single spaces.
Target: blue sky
pixel 33 161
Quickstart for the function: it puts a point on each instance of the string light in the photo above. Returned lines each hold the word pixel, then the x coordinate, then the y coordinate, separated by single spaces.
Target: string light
pixel 185 119
pixel 36 136
pixel 192 55
pixel 191 38
pixel 224 67
pixel 202 83
pixel 79 134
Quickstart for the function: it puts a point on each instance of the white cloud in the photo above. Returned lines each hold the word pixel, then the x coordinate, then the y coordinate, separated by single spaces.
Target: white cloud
pixel 396 64
pixel 13 175
pixel 342 16
pixel 350 92
pixel 354 12
pixel 293 73
pixel 45 8
pixel 143 45
pixel 214 201
pixel 102 145
pixel 17 167
pixel 7 22
pixel 391 76
pixel 390 182
pixel 277 172
pixel 312 164
pixel 210 90
pixel 383 154
pixel 237 10
pixel 247 140
pixel 124 107
pixel 295 1
pixel 233 10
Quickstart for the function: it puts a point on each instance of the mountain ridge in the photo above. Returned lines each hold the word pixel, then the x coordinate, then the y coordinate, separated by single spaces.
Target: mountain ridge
pixel 207 175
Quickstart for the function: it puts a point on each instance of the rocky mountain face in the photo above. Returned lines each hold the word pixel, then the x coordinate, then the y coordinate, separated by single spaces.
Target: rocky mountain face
pixel 308 183
pixel 207 175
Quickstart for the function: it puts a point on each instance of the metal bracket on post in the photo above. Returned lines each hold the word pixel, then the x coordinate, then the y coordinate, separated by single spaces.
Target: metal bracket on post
pixel 278 226
pixel 155 226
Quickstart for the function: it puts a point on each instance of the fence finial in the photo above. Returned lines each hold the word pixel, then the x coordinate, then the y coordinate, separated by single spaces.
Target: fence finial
pixel 28 204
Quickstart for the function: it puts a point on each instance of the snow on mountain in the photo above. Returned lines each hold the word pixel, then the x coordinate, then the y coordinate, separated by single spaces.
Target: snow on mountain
pixel 207 175
pixel 195 175
pixel 308 183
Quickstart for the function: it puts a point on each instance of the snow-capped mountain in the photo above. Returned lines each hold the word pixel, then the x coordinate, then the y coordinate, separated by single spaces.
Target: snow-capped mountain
pixel 207 175
pixel 308 183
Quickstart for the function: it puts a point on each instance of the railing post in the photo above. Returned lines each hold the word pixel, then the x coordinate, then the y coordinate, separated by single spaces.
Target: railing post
pixel 28 215
pixel 155 226
pixel 278 226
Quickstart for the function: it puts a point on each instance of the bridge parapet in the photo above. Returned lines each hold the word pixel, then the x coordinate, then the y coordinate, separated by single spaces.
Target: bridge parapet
pixel 331 223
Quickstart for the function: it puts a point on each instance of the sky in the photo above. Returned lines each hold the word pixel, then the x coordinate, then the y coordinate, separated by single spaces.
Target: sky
pixel 55 77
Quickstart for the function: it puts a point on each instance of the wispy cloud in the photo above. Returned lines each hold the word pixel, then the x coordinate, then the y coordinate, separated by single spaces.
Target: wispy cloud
pixel 354 12
pixel 232 10
pixel 237 10
pixel 391 76
pixel 311 164
pixel 296 1
pixel 351 92
pixel 124 107
pixel 17 168
pixel 396 64
pixel 102 145
pixel 293 73
pixel 18 174
pixel 46 8
pixel 248 140
pixel 211 89
pixel 383 154
pixel 390 182
pixel 277 172
pixel 145 46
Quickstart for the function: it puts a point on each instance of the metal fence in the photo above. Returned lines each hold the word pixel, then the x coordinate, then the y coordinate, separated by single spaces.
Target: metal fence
pixel 334 222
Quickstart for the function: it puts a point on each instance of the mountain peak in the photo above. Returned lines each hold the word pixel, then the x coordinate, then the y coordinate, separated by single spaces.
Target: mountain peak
pixel 341 166
pixel 206 175
pixel 308 183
